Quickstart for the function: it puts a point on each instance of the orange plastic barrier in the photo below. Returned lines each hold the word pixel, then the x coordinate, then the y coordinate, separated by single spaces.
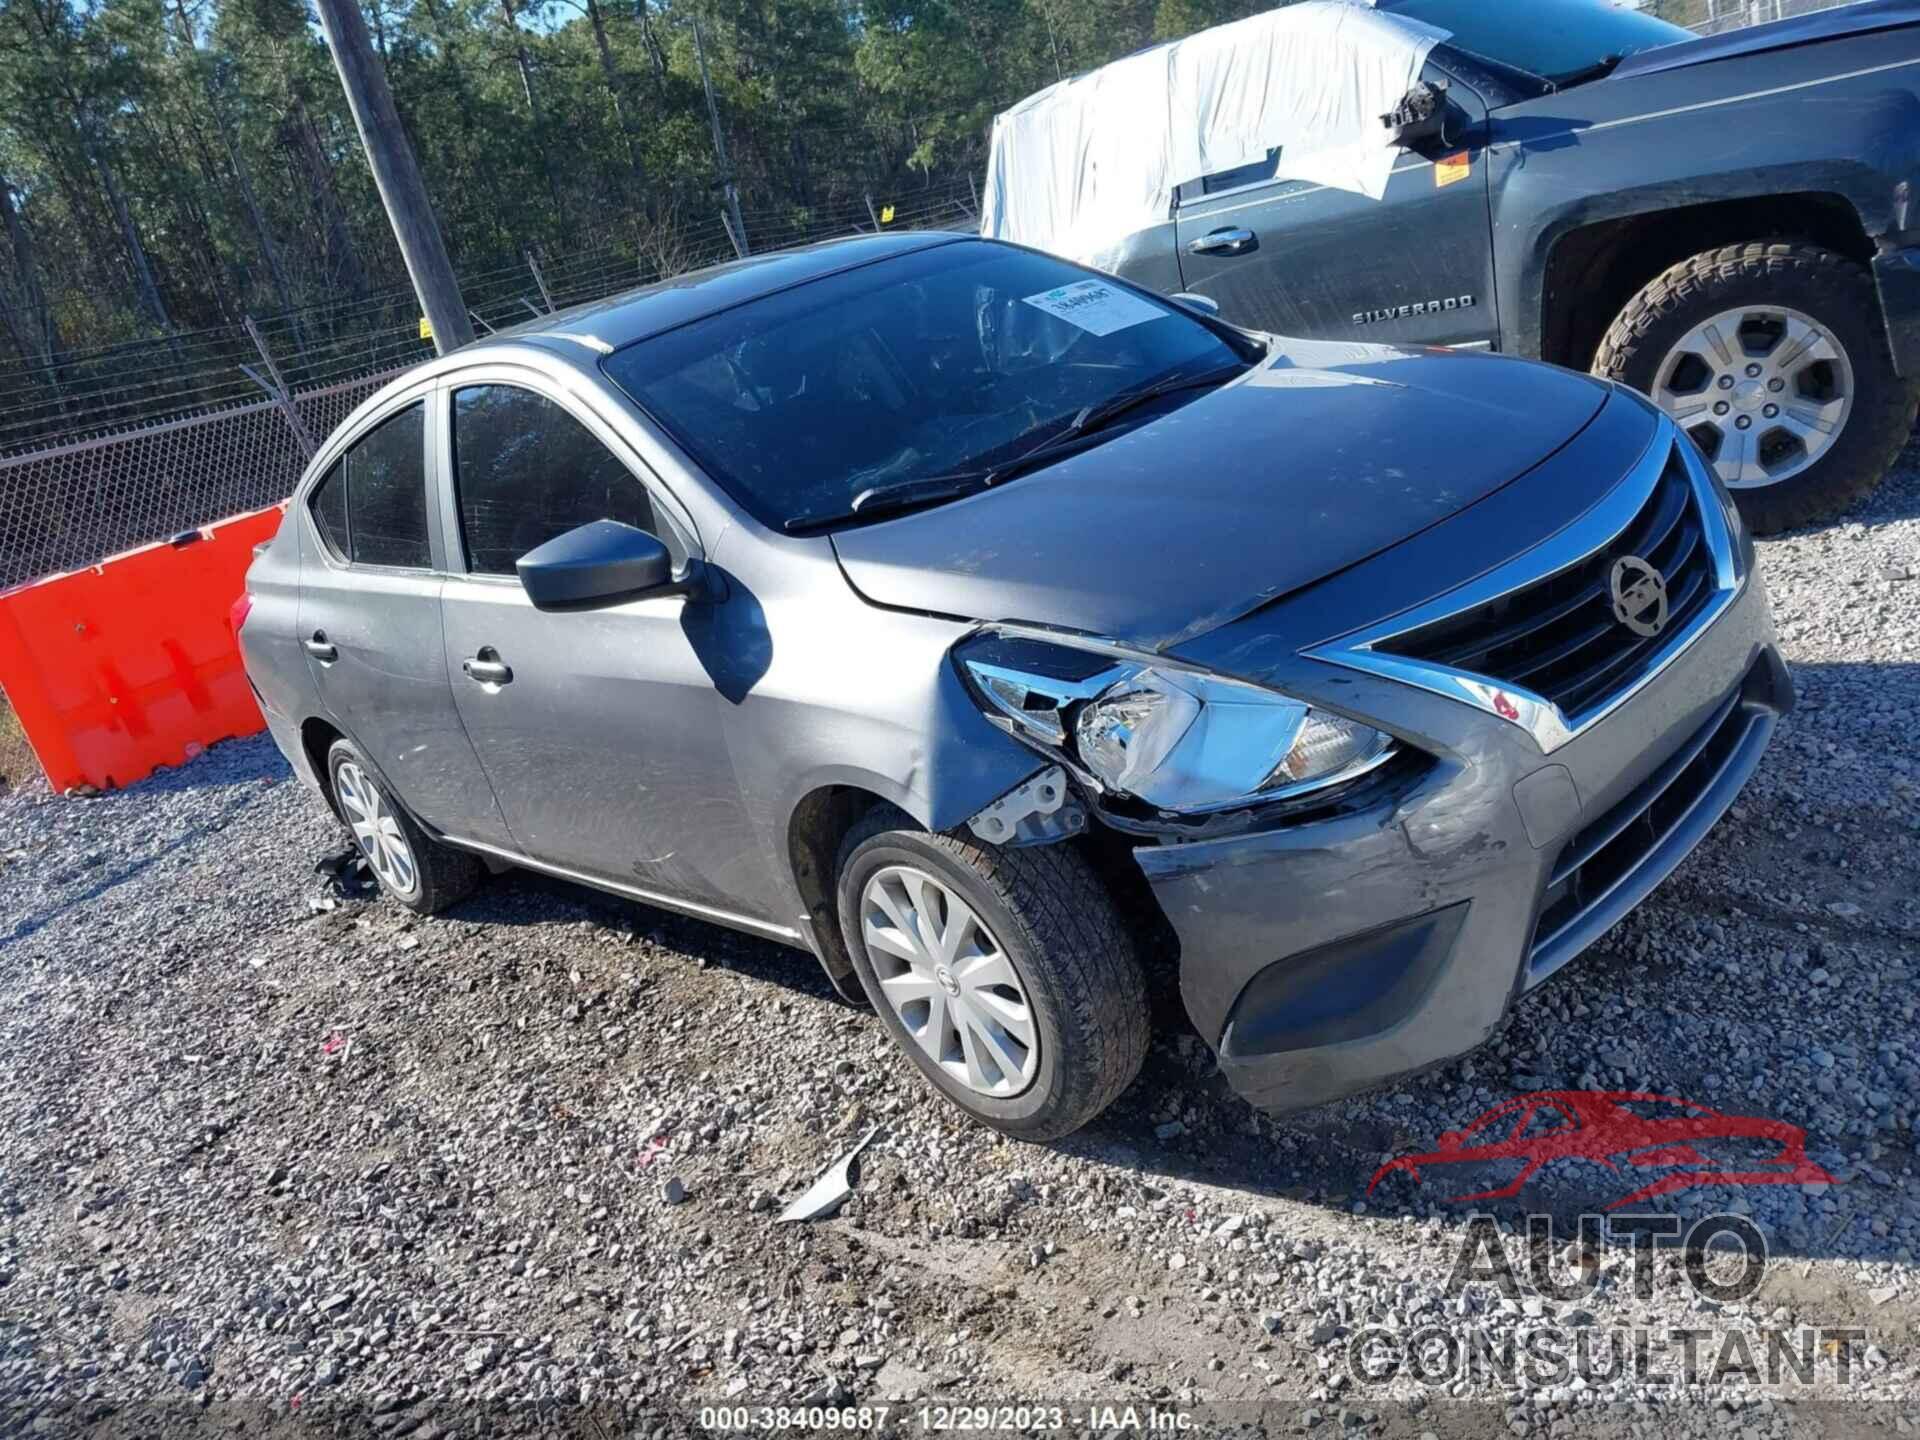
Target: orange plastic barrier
pixel 131 664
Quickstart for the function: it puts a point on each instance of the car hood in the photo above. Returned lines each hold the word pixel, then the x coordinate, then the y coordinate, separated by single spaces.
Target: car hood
pixel 1324 454
pixel 1856 19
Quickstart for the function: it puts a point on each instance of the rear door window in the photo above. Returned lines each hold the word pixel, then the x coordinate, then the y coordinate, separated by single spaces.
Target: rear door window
pixel 1263 169
pixel 526 471
pixel 387 493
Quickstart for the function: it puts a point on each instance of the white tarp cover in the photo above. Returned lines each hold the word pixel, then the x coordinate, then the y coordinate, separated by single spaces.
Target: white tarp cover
pixel 1083 164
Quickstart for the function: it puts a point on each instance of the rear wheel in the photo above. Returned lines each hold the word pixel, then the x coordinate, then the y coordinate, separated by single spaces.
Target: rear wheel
pixel 410 865
pixel 1774 358
pixel 1005 975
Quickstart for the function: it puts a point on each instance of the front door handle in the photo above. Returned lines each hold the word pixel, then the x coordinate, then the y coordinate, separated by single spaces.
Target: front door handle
pixel 487 668
pixel 1224 242
pixel 321 648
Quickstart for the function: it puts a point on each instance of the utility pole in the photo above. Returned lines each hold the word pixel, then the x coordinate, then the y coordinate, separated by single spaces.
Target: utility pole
pixel 731 190
pixel 396 173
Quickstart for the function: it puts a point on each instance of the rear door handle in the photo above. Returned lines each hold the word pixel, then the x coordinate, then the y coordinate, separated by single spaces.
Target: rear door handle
pixel 487 668
pixel 1224 242
pixel 321 648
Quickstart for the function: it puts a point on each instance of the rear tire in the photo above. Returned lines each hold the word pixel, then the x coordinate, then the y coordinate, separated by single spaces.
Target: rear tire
pixel 1648 347
pixel 410 865
pixel 1044 923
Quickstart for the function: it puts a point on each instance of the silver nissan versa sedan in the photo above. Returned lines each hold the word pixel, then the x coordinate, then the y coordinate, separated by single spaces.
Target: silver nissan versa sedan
pixel 931 604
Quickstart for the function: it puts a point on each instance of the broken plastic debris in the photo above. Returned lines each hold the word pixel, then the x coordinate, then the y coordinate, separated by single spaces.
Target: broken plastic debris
pixel 347 872
pixel 332 1043
pixel 826 1195
pixel 654 1146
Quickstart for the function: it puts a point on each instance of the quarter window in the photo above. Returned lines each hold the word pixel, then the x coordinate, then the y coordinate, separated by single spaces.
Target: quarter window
pixel 372 505
pixel 330 509
pixel 386 501
pixel 525 471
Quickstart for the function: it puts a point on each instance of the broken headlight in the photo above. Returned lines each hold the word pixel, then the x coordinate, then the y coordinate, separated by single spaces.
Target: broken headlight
pixel 1179 739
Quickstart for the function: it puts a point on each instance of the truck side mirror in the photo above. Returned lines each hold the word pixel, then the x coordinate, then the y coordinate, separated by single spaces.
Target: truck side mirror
pixel 1420 117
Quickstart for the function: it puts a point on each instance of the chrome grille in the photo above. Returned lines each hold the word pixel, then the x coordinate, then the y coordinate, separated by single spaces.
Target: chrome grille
pixel 1557 637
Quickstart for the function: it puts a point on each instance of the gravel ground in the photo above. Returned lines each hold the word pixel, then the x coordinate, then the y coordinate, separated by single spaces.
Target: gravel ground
pixel 16 759
pixel 263 1157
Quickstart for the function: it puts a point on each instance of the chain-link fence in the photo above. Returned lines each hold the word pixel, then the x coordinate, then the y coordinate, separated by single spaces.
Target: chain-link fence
pixel 1725 15
pixel 100 452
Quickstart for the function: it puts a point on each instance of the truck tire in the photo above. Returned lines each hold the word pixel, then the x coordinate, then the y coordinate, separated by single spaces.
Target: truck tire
pixel 1774 358
pixel 409 864
pixel 1032 1017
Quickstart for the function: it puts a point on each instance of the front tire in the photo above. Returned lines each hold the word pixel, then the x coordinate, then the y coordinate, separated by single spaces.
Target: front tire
pixel 410 865
pixel 1005 975
pixel 1774 357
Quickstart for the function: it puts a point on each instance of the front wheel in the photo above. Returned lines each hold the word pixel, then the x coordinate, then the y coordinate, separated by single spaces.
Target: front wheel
pixel 1005 975
pixel 1774 358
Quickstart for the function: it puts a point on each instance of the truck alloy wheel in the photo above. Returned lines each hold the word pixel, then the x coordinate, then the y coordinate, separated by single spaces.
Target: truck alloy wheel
pixel 1774 358
pixel 1764 392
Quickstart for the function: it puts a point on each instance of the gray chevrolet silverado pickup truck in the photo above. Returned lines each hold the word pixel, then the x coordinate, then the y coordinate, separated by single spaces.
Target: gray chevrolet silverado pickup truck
pixel 1728 224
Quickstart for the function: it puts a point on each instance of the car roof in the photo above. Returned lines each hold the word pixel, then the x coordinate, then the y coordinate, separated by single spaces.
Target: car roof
pixel 619 320
pixel 599 327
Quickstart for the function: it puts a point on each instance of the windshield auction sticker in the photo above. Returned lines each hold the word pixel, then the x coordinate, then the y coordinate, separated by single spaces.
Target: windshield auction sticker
pixel 1096 306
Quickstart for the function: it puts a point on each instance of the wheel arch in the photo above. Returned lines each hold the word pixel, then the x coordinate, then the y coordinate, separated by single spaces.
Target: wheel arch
pixel 1591 271
pixel 317 737
pixel 822 817
pixel 816 825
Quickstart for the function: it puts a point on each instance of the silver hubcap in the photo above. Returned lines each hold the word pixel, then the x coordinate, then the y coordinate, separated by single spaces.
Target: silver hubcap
pixel 376 828
pixel 1764 392
pixel 950 983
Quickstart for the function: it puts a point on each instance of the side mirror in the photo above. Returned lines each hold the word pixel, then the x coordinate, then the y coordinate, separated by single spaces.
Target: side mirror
pixel 1420 117
pixel 1205 304
pixel 595 564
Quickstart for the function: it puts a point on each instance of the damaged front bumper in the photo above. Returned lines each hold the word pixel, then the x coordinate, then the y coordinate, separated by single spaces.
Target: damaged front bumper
pixel 1325 958
pixel 1322 956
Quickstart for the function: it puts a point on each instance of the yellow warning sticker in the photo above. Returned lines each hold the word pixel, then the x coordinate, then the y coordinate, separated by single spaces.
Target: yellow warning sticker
pixel 1452 168
pixel 426 330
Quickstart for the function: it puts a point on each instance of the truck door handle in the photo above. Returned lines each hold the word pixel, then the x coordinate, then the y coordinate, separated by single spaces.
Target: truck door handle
pixel 1224 242
pixel 321 648
pixel 487 668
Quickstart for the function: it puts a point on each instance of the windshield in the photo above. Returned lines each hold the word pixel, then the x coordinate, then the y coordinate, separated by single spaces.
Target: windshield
pixel 936 364
pixel 1554 39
